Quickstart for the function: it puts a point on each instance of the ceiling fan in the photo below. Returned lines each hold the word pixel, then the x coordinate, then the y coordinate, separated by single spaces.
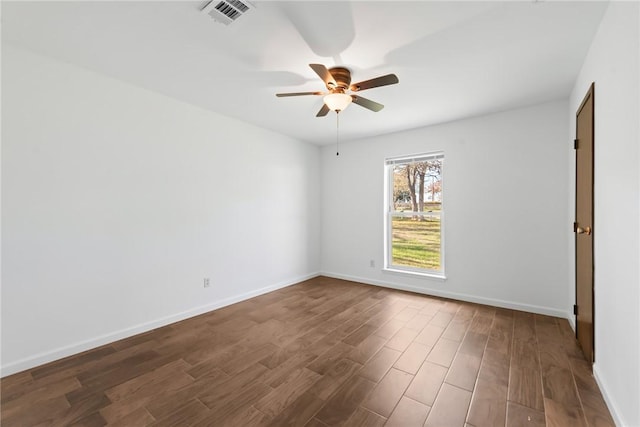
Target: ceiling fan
pixel 338 83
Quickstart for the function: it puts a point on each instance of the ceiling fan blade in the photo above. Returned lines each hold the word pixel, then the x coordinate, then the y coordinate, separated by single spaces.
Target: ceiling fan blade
pixel 367 103
pixel 324 74
pixel 389 79
pixel 323 111
pixel 280 95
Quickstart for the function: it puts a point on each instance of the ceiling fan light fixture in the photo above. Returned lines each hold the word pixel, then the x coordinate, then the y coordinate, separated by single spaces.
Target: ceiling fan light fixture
pixel 337 101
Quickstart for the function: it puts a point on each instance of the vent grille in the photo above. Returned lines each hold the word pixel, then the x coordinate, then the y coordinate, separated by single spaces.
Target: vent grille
pixel 239 5
pixel 226 11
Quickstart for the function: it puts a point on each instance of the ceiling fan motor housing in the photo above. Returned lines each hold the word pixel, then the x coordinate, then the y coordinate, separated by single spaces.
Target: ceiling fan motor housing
pixel 342 76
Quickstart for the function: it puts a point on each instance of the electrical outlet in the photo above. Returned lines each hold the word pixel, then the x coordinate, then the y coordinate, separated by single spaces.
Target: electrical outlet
pixel 207 282
pixel 372 263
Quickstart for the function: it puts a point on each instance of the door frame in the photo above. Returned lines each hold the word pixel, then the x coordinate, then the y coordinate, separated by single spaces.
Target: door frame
pixel 589 95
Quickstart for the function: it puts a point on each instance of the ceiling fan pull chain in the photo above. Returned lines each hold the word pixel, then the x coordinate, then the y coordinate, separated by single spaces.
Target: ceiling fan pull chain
pixel 337 132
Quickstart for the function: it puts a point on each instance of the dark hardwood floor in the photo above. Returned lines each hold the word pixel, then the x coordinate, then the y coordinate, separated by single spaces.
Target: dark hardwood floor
pixel 321 353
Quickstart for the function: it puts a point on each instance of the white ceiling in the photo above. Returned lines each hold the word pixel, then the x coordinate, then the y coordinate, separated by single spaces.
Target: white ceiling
pixel 453 59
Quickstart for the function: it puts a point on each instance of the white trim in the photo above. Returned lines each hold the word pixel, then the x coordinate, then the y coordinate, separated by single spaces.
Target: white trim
pixel 417 272
pixel 572 321
pixel 390 213
pixel 453 295
pixel 414 158
pixel 615 414
pixel 69 350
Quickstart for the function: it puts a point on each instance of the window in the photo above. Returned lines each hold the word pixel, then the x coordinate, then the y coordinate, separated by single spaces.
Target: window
pixel 414 240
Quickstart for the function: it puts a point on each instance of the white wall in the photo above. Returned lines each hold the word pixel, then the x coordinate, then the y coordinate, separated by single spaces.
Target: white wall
pixel 117 202
pixel 613 64
pixel 505 192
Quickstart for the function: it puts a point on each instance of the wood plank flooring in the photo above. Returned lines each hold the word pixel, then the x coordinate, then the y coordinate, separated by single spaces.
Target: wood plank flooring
pixel 321 353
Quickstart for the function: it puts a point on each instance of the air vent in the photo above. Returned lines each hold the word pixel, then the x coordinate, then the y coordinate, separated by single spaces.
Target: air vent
pixel 227 11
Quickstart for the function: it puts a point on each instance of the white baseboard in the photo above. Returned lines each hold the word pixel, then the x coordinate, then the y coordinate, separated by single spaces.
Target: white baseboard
pixel 453 295
pixel 605 394
pixel 572 322
pixel 69 350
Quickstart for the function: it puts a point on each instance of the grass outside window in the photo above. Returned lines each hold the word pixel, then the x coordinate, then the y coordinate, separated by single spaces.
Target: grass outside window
pixel 416 242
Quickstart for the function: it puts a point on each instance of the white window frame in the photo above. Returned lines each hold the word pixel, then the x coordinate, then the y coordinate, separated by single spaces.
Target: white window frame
pixel 389 214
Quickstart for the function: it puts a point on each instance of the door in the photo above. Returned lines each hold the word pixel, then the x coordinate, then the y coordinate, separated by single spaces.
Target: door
pixel 583 226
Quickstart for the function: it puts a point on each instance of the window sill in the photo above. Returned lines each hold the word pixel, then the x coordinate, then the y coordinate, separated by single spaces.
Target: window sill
pixel 415 273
